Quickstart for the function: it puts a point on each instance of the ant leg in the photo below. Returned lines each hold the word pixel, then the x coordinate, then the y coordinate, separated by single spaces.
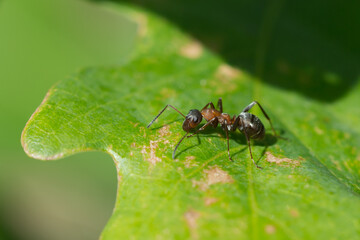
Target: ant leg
pixel 219 105
pixel 235 124
pixel 211 106
pixel 177 145
pixel 263 111
pixel 162 112
pixel 248 141
pixel 203 127
pixel 228 145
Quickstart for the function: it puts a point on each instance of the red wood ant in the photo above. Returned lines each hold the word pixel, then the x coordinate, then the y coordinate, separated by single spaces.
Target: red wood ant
pixel 249 124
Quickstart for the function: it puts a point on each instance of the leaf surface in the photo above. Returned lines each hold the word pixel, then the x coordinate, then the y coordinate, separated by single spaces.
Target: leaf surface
pixel 308 189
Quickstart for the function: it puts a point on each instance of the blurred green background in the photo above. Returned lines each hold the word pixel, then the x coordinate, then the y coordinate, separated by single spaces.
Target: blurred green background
pixel 41 43
pixel 310 47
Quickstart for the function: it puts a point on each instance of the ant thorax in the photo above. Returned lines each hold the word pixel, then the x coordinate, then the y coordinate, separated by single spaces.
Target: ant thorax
pixel 224 119
pixel 209 113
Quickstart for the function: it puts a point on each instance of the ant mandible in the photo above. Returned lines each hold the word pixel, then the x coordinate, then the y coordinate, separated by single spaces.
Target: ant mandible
pixel 249 124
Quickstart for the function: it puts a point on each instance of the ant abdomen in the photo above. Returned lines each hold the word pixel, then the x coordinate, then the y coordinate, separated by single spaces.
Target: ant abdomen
pixel 252 125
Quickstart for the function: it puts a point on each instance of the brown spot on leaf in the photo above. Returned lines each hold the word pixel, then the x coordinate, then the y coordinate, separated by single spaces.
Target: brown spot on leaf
pixel 217 175
pixel 213 175
pixel 189 162
pixel 226 72
pixel 318 130
pixel 150 155
pixel 282 161
pixel 149 152
pixel 270 229
pixel 164 131
pixel 200 184
pixel 294 212
pixel 134 124
pixel 209 201
pixel 224 79
pixel 192 50
pixel 191 217
pixel 142 129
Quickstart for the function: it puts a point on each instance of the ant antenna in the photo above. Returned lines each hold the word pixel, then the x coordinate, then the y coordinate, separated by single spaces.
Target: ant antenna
pixel 162 112
pixel 177 145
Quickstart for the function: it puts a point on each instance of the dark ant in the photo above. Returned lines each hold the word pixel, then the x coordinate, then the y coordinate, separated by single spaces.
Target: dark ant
pixel 249 124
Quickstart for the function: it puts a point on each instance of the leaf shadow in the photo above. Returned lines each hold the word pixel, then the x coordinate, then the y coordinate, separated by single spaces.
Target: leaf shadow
pixel 190 147
pixel 239 138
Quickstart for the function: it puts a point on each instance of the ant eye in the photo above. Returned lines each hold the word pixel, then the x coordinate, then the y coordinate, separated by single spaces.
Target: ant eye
pixel 194 115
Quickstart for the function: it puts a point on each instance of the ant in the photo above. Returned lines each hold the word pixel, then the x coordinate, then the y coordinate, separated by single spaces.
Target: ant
pixel 249 124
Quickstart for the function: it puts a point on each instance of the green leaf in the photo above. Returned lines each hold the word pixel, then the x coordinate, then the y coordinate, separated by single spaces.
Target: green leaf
pixel 309 185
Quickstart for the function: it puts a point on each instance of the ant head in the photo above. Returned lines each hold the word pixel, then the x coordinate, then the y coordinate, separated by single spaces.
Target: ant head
pixel 192 119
